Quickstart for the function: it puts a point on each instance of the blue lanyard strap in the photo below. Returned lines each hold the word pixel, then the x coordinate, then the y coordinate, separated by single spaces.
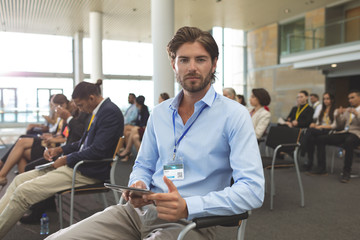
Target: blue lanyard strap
pixel 187 129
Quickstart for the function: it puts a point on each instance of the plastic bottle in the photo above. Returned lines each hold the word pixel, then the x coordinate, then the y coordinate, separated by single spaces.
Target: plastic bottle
pixel 44 224
pixel 340 153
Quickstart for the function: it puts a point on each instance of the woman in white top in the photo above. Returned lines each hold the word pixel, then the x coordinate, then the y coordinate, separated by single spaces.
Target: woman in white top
pixel 260 113
pixel 323 125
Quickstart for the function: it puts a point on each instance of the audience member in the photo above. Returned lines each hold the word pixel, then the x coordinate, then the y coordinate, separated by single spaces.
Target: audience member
pixel 347 119
pixel 28 149
pixel 230 93
pixel 241 99
pixel 98 142
pixel 51 121
pixel 214 141
pixel 131 113
pixel 316 105
pixel 301 115
pixel 260 116
pixel 163 96
pixel 76 126
pixel 324 124
pixel 134 134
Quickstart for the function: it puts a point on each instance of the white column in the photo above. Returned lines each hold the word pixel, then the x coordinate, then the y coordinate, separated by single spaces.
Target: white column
pixel 96 33
pixel 78 58
pixel 162 30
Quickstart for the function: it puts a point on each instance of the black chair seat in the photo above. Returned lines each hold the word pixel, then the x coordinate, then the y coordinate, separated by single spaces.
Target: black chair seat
pixel 91 188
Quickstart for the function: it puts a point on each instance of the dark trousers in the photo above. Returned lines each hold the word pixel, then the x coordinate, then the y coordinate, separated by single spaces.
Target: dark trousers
pixel 348 141
pixel 309 141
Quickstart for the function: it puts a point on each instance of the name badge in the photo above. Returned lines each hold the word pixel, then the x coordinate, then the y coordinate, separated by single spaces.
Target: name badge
pixel 174 171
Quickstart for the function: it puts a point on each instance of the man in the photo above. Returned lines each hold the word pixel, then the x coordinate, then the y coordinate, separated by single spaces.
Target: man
pixel 316 105
pixel 229 93
pixel 347 119
pixel 99 141
pixel 301 115
pixel 199 140
pixel 131 113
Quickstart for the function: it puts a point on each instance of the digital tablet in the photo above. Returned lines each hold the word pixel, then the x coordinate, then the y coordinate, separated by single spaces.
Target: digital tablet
pixel 44 166
pixel 133 191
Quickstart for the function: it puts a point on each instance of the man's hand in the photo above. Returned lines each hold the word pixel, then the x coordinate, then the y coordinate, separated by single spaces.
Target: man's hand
pixel 170 206
pixel 50 153
pixel 135 200
pixel 340 110
pixel 295 123
pixel 61 161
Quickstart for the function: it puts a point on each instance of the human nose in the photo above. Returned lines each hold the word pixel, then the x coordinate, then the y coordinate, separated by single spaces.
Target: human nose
pixel 192 66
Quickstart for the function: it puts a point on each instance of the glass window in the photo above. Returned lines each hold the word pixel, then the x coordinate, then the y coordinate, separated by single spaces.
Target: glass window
pixel 122 58
pixel 35 53
pixel 292 36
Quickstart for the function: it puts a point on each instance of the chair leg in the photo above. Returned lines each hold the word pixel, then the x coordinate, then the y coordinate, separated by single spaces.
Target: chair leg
pixel 241 230
pixel 60 211
pixel 105 202
pixel 299 178
pixel 332 161
pixel 116 196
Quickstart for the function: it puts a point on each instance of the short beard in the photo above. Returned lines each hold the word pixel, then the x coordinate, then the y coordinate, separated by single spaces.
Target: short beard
pixel 190 88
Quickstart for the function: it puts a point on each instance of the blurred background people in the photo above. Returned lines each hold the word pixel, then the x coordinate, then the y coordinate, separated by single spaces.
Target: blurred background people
pixel 316 105
pixel 301 115
pixel 241 99
pixel 131 113
pixel 163 96
pixel 260 115
pixel 230 93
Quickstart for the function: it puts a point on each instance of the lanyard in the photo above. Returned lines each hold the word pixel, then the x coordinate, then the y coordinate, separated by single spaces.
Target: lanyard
pixel 298 112
pixel 187 129
pixel 92 118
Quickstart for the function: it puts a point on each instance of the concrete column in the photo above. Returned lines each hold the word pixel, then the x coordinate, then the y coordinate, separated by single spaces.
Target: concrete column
pixel 162 30
pixel 78 58
pixel 96 33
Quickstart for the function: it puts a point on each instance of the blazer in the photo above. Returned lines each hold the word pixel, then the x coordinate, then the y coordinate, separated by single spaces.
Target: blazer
pixel 143 116
pixel 260 120
pixel 98 143
pixel 305 118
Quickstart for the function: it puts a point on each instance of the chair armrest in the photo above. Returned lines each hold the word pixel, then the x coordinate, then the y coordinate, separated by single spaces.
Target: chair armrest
pixel 290 145
pixel 226 221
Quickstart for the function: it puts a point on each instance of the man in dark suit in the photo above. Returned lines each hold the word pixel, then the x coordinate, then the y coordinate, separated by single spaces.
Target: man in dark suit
pixel 99 141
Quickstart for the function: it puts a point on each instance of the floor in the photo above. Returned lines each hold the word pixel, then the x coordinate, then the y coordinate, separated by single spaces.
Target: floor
pixel 331 210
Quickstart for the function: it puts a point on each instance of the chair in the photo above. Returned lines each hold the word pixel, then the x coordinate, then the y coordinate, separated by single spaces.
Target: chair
pixel 283 139
pixel 92 188
pixel 226 221
pixel 334 151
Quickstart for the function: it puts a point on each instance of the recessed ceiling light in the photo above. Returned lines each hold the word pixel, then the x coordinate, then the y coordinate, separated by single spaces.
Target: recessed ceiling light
pixel 334 65
pixel 286 10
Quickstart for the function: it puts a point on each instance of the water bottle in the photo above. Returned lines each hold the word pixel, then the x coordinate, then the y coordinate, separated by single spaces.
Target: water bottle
pixel 340 153
pixel 44 224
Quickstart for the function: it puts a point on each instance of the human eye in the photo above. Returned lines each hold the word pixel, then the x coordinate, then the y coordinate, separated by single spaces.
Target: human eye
pixel 201 60
pixel 183 60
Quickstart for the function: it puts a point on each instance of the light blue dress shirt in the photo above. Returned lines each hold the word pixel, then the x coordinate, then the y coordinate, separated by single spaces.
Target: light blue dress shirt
pixel 220 144
pixel 131 115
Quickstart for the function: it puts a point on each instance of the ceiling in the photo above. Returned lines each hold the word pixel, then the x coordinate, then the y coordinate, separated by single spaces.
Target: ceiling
pixel 130 20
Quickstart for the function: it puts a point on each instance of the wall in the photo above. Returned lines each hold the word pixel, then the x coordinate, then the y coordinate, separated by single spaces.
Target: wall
pixel 282 81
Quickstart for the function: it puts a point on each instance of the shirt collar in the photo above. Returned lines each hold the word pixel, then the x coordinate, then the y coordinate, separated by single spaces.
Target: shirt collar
pixel 98 106
pixel 208 99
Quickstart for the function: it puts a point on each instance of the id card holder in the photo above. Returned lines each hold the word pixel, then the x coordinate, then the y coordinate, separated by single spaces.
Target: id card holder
pixel 174 170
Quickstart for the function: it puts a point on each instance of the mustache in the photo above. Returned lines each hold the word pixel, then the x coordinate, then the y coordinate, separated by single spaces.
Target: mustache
pixel 191 75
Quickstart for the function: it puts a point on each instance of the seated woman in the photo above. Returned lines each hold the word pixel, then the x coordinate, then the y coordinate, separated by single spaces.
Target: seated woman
pixel 324 124
pixel 28 149
pixel 260 114
pixel 133 134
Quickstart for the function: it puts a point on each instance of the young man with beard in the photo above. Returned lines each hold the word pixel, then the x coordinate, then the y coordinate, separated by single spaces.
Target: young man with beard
pixel 192 147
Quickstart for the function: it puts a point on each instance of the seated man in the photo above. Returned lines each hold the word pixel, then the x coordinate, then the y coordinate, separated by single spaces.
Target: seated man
pixel 347 119
pixel 131 113
pixel 316 105
pixel 301 115
pixel 193 145
pixel 99 141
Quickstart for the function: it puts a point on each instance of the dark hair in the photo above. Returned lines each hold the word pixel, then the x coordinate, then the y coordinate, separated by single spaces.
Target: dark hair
pixel 332 108
pixel 193 34
pixel 164 95
pixel 133 95
pixel 243 102
pixel 304 92
pixel 262 95
pixel 84 89
pixel 140 100
pixel 355 91
pixel 60 99
pixel 314 95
